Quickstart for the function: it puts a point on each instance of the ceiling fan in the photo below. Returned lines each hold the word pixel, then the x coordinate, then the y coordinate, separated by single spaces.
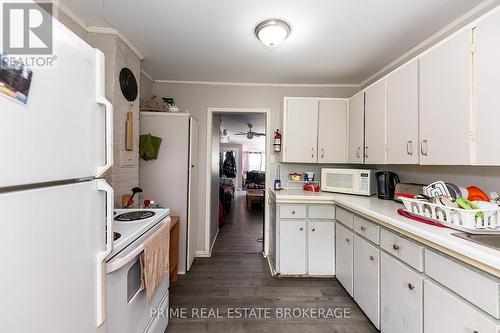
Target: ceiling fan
pixel 250 134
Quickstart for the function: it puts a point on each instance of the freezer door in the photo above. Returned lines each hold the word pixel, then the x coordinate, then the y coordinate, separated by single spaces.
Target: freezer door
pixel 53 243
pixel 64 131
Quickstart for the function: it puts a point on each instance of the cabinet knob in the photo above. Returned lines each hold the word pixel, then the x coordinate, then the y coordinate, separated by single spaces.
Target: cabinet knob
pixel 301 228
pixel 347 240
pixel 312 152
pixel 363 228
pixel 411 286
pixel 293 212
pixel 372 258
pixel 322 153
pixel 395 247
pixel 313 229
pixel 358 152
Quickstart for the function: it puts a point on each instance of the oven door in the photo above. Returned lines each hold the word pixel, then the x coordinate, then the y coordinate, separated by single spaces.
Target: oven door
pixel 127 308
pixel 341 181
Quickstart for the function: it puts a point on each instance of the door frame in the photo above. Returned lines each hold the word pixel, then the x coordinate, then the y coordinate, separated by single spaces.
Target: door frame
pixel 210 113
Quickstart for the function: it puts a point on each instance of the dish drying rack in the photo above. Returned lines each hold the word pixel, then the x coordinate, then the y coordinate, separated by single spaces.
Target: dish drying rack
pixel 456 218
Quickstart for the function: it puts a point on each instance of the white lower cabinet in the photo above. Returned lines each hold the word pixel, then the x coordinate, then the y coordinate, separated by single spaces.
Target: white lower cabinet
pixel 367 278
pixel 292 247
pixel 401 297
pixel 446 312
pixel 344 255
pixel 321 248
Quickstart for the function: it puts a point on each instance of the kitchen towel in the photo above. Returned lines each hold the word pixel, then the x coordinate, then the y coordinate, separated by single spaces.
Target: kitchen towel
pixel 154 260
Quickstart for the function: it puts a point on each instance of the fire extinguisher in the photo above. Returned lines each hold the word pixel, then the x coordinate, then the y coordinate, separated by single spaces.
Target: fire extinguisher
pixel 277 141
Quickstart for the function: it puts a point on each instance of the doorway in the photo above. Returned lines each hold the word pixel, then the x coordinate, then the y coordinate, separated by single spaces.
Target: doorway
pixel 239 148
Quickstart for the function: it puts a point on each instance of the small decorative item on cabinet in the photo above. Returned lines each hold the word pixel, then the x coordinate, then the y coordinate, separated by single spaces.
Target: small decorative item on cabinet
pixel 296 177
pixel 312 187
pixel 277 141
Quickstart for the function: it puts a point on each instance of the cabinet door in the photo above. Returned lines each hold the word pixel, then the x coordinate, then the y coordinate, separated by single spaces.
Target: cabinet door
pixel 487 83
pixel 293 247
pixel 356 127
pixel 321 248
pixel 300 134
pixel 445 102
pixel 402 115
pixel 375 120
pixel 343 256
pixel 366 279
pixel 332 131
pixel 445 312
pixel 401 292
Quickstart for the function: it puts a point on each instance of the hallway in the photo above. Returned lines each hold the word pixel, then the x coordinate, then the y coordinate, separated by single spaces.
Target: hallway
pixel 237 277
pixel 241 228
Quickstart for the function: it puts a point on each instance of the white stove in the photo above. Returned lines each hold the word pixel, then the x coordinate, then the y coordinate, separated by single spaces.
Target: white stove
pixel 125 297
pixel 130 224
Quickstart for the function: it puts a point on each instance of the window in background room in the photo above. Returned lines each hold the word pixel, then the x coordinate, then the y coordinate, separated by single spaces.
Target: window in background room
pixel 256 161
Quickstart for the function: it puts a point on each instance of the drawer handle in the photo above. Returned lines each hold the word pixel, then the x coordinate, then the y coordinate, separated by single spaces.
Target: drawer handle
pixel 411 286
pixel 322 153
pixel 293 212
pixel 313 229
pixel 301 228
pixel 358 152
pixel 372 258
pixel 395 247
pixel 363 228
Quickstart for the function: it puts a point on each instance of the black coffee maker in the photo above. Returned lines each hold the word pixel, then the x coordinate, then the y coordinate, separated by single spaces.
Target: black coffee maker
pixel 386 184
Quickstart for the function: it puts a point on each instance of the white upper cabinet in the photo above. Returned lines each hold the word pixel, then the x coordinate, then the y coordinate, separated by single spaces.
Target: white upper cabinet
pixel 375 122
pixel 487 84
pixel 356 129
pixel 445 102
pixel 332 131
pixel 402 115
pixel 300 130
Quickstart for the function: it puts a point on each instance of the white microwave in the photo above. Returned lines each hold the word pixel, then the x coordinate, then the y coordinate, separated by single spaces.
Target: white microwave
pixel 349 181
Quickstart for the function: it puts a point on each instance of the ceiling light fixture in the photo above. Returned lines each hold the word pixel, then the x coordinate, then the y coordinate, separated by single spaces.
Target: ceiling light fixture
pixel 272 32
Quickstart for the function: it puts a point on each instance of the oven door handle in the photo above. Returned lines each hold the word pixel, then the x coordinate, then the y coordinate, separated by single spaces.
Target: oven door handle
pixel 118 262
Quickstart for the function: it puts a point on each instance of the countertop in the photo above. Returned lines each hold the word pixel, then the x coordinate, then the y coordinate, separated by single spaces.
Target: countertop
pixel 384 212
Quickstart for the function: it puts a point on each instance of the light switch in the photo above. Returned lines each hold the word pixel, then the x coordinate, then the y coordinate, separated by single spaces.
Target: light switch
pixel 127 159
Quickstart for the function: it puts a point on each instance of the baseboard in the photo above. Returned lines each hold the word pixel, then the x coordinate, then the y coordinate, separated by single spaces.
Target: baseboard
pixel 201 254
pixel 204 254
pixel 271 266
pixel 213 243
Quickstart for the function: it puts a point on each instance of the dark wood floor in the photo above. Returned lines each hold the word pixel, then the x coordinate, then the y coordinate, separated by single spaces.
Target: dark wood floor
pixel 237 276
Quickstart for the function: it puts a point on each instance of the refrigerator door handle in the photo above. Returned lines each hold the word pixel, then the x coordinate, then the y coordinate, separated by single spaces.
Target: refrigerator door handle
pixel 108 108
pixel 101 256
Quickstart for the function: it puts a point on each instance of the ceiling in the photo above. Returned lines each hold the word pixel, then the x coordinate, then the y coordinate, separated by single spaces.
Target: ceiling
pixel 332 41
pixel 235 123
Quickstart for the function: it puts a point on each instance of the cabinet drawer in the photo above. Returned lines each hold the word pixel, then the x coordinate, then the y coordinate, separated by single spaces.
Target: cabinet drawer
pixel 401 297
pixel 367 229
pixel 445 312
pixel 345 217
pixel 293 212
pixel 402 248
pixel 478 288
pixel 322 212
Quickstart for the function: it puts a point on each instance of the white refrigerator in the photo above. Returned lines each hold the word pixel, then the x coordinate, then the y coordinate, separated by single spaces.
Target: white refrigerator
pixel 56 224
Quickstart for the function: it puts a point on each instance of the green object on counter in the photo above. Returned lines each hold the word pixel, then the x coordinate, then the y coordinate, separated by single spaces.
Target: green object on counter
pixel 467 205
pixel 149 146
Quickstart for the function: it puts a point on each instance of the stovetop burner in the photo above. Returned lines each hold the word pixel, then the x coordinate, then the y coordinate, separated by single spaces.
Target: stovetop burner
pixel 116 235
pixel 135 215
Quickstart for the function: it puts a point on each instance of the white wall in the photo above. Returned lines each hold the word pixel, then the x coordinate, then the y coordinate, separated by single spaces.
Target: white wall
pixel 198 98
